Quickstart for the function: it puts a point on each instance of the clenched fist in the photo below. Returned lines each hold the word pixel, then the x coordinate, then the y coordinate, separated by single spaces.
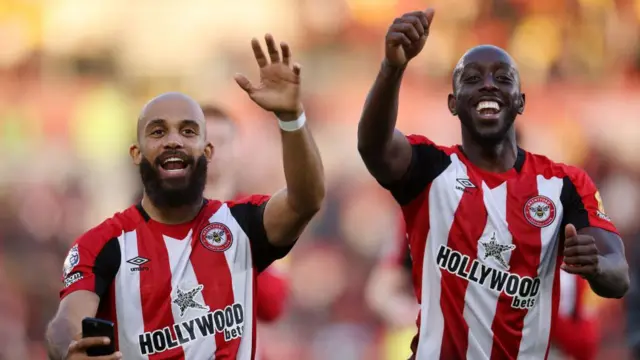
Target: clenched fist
pixel 406 37
pixel 581 256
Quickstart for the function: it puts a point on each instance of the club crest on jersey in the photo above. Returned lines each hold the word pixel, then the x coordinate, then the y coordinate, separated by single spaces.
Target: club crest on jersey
pixel 540 211
pixel 72 259
pixel 216 237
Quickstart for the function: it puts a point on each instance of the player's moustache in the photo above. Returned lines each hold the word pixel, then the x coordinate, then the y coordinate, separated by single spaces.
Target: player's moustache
pixel 188 160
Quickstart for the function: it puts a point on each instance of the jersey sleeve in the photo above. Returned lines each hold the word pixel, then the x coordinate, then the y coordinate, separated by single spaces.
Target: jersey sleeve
pixel 271 294
pixel 582 203
pixel 428 160
pixel 91 264
pixel 249 212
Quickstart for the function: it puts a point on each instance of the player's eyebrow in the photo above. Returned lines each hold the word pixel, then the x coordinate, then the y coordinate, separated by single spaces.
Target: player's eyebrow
pixel 498 64
pixel 185 122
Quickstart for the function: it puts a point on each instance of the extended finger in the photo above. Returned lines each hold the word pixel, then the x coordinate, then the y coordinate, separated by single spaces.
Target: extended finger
pixel 86 343
pixel 244 83
pixel 407 29
pixel 580 250
pixel 429 14
pixel 272 49
pixel 286 53
pixel 398 38
pixel 296 70
pixel 258 53
pixel 581 260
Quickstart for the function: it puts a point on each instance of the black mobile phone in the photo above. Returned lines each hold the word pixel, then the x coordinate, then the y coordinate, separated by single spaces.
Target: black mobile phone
pixel 92 327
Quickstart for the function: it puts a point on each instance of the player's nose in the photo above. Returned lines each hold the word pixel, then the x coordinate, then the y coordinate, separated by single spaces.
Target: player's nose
pixel 173 141
pixel 489 83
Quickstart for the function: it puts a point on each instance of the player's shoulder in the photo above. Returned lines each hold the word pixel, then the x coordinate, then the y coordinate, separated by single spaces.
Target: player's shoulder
pixel 543 165
pixel 112 227
pixel 251 200
pixel 421 140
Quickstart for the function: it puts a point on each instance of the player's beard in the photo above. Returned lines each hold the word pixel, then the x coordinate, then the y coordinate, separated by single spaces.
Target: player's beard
pixel 164 196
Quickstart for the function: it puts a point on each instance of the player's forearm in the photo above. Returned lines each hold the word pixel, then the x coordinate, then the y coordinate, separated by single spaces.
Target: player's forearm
pixel 613 279
pixel 303 171
pixel 378 120
pixel 60 333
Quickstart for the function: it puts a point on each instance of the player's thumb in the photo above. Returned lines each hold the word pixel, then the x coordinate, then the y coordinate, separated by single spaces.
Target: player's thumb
pixel 570 231
pixel 430 12
pixel 244 83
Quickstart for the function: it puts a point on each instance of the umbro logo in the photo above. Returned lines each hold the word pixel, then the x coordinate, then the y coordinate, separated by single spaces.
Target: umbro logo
pixel 138 261
pixel 464 184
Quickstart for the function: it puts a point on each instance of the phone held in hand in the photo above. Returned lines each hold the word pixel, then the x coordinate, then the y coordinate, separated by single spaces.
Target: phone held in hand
pixel 92 327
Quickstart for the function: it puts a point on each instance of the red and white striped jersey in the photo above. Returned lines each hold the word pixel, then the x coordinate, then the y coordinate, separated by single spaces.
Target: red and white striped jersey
pixel 177 291
pixel 486 249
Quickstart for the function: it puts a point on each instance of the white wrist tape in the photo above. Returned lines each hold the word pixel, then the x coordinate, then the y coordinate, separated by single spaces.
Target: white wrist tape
pixel 293 125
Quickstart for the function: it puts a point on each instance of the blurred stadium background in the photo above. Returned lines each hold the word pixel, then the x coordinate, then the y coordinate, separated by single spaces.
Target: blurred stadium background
pixel 74 73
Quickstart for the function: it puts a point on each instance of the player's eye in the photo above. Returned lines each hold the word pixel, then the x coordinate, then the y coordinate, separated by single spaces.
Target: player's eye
pixel 157 132
pixel 472 78
pixel 189 132
pixel 503 78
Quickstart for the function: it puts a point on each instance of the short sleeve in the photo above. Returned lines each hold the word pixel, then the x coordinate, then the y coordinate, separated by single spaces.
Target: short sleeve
pixel 91 264
pixel 582 203
pixel 428 160
pixel 249 213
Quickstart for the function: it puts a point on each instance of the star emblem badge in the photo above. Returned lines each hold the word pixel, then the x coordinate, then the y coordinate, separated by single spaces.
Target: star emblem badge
pixel 185 300
pixel 494 250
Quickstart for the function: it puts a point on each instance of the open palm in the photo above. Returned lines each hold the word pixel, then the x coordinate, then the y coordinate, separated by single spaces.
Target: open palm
pixel 279 87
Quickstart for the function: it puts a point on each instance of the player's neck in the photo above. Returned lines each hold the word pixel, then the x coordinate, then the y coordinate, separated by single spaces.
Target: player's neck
pixel 498 157
pixel 223 189
pixel 174 215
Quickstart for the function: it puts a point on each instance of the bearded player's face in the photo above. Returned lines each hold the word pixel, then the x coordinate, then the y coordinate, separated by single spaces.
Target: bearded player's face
pixel 173 153
pixel 487 98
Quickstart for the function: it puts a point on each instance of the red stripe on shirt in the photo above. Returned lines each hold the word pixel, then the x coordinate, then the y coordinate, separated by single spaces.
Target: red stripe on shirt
pixel 212 271
pixel 155 289
pixel 468 225
pixel 525 258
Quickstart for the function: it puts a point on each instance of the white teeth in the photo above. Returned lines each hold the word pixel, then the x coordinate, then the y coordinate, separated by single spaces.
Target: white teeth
pixel 488 105
pixel 172 159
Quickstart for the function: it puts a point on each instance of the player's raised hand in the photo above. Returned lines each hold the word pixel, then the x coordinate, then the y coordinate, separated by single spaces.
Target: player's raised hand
pixel 78 349
pixel 279 87
pixel 406 36
pixel 580 253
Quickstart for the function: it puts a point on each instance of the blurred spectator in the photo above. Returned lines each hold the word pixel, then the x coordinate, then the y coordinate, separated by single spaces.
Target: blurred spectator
pixel 71 71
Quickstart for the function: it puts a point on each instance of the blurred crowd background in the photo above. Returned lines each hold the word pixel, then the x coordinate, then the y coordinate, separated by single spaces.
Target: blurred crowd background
pixel 74 73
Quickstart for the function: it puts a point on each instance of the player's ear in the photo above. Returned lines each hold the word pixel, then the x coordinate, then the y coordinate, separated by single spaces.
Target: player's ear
pixel 135 153
pixel 209 150
pixel 451 102
pixel 521 104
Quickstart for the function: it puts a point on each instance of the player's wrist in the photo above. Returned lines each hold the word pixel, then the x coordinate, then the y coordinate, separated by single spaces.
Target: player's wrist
pixel 388 67
pixel 290 123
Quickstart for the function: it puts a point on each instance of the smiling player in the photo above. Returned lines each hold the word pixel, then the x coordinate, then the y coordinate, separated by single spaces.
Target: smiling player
pixel 176 273
pixel 489 224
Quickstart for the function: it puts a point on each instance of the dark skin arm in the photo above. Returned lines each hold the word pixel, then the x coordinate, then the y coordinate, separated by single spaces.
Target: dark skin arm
pixel 384 150
pixel 598 256
pixel 289 210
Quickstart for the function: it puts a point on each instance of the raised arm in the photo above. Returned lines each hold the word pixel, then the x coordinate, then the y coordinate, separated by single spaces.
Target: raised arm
pixel 289 211
pixel 384 150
